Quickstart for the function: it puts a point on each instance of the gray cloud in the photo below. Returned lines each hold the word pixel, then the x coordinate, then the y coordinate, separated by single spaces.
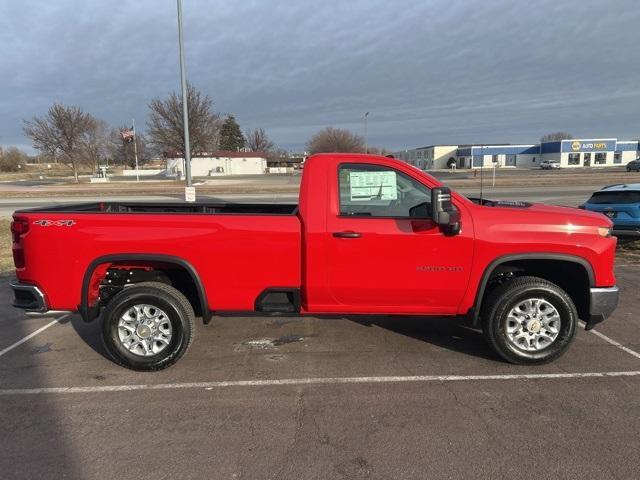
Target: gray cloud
pixel 428 71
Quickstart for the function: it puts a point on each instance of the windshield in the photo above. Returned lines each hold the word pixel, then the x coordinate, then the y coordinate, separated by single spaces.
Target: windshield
pixel 615 197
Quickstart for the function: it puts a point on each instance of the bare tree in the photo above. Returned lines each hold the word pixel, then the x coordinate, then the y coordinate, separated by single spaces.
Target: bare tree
pixel 378 151
pixel 122 151
pixel 60 134
pixel 95 143
pixel 166 126
pixel 279 155
pixel 258 141
pixel 335 140
pixel 556 137
pixel 12 159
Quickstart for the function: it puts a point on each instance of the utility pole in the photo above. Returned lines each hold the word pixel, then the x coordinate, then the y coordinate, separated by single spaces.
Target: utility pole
pixel 135 147
pixel 189 191
pixel 366 148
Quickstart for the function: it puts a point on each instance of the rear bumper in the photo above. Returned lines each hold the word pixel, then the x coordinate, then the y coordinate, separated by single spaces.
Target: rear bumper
pixel 603 302
pixel 28 297
pixel 31 299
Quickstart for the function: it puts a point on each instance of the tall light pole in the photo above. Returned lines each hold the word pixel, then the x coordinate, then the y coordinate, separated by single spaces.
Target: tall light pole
pixel 189 192
pixel 366 149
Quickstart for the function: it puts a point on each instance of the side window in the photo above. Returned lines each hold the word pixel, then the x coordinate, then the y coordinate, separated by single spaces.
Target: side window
pixel 377 191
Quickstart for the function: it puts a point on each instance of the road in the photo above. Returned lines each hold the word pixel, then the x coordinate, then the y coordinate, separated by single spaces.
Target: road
pixel 362 398
pixel 571 196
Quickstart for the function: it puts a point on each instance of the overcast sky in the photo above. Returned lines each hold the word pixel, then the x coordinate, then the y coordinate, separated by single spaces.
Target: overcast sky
pixel 428 71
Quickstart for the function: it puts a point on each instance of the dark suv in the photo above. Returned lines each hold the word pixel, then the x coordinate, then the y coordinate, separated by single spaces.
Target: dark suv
pixel 634 165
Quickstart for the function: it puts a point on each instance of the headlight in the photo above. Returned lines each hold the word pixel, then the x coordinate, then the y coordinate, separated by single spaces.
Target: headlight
pixel 604 231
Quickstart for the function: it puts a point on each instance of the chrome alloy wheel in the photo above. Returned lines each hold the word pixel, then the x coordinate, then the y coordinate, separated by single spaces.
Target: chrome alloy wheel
pixel 144 330
pixel 533 324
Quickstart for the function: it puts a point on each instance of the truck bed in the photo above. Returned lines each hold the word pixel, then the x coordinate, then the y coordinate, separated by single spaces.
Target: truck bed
pixel 221 208
pixel 238 250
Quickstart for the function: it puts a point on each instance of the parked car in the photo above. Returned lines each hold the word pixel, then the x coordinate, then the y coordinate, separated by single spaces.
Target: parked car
pixel 549 164
pixel 634 165
pixel 621 203
pixel 371 235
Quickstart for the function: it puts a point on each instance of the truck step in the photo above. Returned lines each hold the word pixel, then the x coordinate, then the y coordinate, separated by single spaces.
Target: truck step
pixel 278 300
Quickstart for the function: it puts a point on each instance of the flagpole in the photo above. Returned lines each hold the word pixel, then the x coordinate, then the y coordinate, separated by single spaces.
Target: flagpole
pixel 135 148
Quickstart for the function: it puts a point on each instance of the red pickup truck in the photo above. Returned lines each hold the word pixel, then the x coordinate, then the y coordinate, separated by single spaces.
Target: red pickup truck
pixel 370 235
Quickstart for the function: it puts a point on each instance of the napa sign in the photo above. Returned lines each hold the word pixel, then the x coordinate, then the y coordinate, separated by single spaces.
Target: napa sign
pixel 588 145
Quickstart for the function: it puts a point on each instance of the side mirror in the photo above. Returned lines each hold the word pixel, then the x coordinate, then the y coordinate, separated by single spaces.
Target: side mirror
pixel 443 212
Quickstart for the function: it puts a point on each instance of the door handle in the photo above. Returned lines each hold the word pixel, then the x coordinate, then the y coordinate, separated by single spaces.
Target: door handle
pixel 347 234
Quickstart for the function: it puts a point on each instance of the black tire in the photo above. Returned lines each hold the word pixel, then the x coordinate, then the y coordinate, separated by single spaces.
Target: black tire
pixel 166 298
pixel 504 298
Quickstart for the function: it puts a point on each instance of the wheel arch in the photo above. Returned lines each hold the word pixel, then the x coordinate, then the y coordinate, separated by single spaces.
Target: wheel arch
pixel 88 313
pixel 547 259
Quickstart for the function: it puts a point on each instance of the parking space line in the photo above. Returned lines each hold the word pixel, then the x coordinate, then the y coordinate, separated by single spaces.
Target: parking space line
pixel 315 381
pixel 613 342
pixel 31 335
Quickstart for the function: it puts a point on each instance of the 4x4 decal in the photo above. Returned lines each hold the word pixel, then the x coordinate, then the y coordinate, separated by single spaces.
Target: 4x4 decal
pixel 54 223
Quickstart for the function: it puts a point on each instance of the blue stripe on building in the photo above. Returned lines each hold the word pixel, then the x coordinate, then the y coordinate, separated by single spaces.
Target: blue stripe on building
pixel 505 150
pixel 551 147
pixel 628 146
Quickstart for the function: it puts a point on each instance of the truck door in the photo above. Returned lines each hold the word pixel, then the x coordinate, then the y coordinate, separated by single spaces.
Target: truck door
pixel 385 252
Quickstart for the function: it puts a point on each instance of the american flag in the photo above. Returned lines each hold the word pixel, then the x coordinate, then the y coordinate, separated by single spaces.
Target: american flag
pixel 127 134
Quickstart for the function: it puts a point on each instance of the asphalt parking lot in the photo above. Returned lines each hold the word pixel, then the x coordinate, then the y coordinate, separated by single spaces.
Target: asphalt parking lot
pixel 359 398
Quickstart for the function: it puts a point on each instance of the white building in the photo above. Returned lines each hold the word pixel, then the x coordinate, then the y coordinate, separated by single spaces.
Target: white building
pixel 432 157
pixel 599 152
pixel 220 163
pixel 573 153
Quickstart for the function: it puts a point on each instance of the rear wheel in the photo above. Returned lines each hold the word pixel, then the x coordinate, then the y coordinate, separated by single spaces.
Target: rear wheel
pixel 529 320
pixel 148 326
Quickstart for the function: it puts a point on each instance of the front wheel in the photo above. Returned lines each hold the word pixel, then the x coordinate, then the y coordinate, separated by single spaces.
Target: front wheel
pixel 147 326
pixel 529 321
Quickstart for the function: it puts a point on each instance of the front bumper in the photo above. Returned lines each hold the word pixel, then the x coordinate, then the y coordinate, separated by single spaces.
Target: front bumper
pixel 31 299
pixel 603 302
pixel 626 231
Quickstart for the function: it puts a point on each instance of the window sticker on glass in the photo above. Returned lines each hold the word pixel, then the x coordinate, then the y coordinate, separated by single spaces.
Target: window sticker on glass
pixel 373 185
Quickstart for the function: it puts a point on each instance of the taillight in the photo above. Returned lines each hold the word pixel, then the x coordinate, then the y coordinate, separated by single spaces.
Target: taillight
pixel 18 228
pixel 18 257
